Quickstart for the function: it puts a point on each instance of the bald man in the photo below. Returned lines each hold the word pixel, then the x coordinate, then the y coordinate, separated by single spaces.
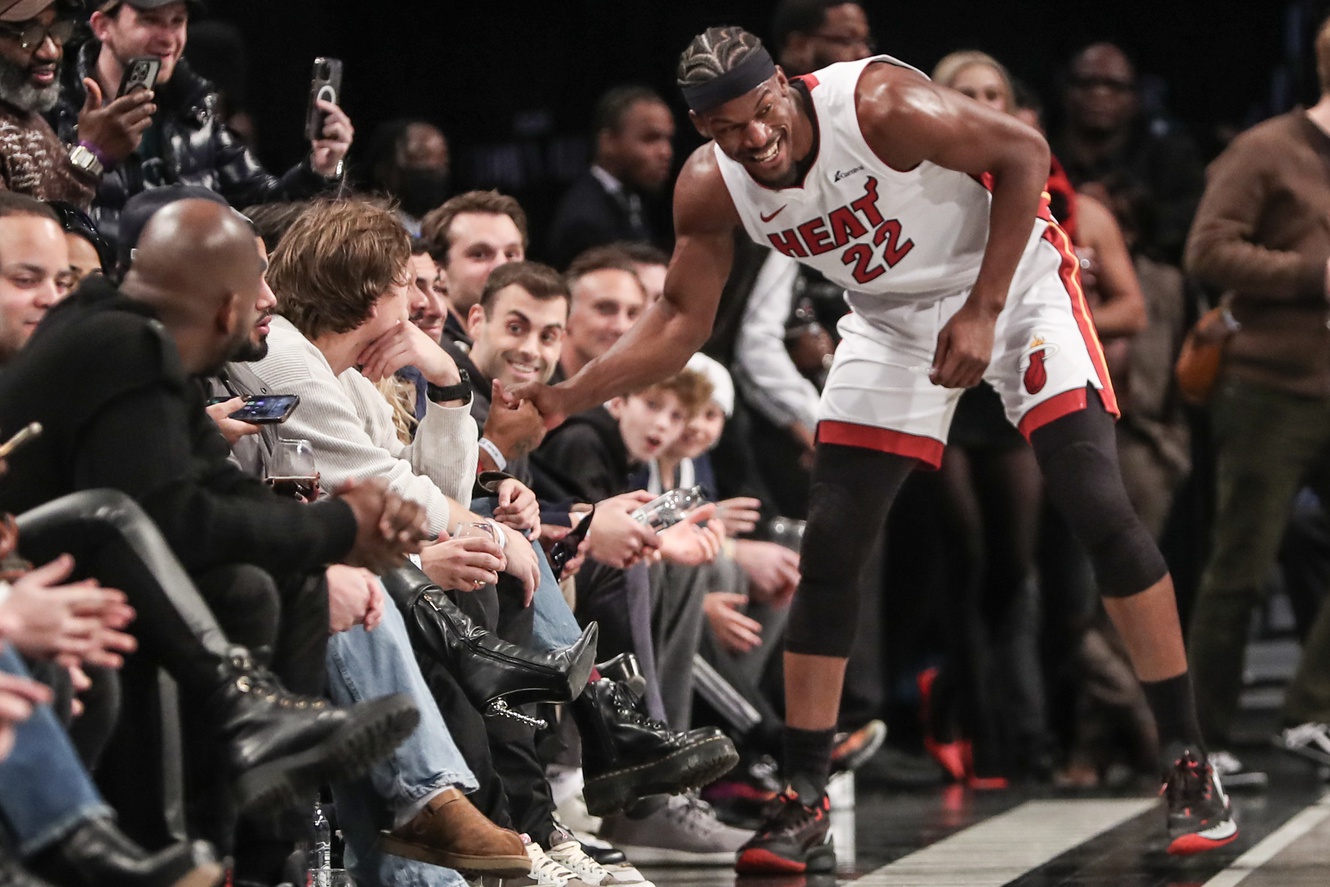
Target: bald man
pixel 108 374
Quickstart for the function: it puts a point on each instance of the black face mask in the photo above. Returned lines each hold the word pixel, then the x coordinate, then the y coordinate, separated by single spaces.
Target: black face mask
pixel 421 190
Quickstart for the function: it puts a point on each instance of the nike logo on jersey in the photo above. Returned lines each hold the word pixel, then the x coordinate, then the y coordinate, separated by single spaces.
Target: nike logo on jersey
pixel 846 173
pixel 766 218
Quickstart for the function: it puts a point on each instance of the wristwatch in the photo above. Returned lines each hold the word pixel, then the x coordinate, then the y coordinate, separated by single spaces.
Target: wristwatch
pixel 444 393
pixel 86 161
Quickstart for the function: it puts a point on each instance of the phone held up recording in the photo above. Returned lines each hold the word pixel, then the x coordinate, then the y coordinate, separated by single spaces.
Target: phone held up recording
pixel 325 85
pixel 140 73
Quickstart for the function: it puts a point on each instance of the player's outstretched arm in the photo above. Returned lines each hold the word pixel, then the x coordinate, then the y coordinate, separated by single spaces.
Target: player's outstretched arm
pixel 673 328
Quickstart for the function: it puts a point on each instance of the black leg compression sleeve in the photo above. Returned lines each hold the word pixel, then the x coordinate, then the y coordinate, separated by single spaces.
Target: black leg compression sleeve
pixel 852 490
pixel 1078 456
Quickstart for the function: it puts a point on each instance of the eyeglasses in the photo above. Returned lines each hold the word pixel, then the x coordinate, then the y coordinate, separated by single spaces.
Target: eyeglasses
pixel 32 34
pixel 1110 83
pixel 848 41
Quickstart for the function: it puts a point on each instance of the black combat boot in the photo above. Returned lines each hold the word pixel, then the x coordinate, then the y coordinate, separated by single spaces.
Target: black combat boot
pixel 626 755
pixel 97 854
pixel 282 746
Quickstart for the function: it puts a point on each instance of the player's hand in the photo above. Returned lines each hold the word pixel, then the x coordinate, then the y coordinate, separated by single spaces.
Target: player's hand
pixel 516 430
pixel 964 348
pixel 551 400
pixel 232 429
pixel 330 150
pixel 117 128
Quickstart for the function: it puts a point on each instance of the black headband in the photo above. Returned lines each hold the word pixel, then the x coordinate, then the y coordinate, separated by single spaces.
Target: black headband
pixel 743 77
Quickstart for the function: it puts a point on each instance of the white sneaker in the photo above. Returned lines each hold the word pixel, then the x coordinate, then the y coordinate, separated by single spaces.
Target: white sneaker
pixel 571 856
pixel 683 832
pixel 545 872
pixel 1310 741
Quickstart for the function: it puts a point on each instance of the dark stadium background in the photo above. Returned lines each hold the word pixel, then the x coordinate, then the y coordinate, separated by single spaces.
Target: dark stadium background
pixel 512 83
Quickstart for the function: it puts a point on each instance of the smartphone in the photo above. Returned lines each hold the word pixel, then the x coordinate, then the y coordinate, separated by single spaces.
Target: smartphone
pixel 326 84
pixel 263 409
pixel 25 434
pixel 140 73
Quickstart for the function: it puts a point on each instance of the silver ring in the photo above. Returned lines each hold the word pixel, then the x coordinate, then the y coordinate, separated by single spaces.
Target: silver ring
pixel 478 582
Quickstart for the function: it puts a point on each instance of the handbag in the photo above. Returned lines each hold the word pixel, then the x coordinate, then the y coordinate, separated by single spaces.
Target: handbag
pixel 1202 353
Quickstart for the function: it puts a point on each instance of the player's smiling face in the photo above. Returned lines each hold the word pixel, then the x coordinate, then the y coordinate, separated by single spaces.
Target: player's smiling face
pixel 758 130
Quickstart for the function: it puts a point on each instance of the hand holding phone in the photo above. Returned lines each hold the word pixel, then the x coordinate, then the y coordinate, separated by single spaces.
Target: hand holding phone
pixel 140 73
pixel 261 409
pixel 325 85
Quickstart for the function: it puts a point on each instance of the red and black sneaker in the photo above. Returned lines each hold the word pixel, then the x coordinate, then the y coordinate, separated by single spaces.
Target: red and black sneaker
pixel 795 839
pixel 1200 817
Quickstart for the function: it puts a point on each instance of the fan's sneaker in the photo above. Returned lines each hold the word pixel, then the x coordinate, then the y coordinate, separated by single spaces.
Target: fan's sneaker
pixel 1310 741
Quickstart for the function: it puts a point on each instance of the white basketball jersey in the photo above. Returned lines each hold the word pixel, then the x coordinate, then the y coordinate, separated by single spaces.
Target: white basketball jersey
pixel 878 232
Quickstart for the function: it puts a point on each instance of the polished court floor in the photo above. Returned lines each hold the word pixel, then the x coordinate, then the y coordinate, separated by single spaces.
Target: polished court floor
pixel 952 837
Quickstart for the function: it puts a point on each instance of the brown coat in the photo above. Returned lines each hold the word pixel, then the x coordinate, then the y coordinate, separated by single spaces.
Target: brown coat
pixel 1262 233
pixel 35 162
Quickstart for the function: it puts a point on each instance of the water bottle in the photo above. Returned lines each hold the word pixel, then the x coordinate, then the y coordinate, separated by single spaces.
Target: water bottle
pixel 670 508
pixel 320 856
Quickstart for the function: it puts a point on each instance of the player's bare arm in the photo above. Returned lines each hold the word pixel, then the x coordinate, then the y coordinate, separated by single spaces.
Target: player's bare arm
pixel 673 328
pixel 908 120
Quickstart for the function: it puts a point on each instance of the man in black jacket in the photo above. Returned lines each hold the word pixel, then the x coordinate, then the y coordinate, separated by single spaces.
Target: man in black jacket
pixel 187 142
pixel 634 154
pixel 108 377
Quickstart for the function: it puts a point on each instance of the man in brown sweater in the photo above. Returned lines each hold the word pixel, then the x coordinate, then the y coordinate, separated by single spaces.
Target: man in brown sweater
pixel 33 160
pixel 1262 233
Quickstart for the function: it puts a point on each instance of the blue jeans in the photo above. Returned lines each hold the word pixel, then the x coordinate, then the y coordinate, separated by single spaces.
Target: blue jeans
pixel 364 665
pixel 44 790
pixel 554 625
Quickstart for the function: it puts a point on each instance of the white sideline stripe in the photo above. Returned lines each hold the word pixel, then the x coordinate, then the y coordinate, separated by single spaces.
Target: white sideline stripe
pixel 1297 826
pixel 1000 849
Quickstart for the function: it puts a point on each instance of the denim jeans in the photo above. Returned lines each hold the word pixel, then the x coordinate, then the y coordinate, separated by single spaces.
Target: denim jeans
pixel 554 626
pixel 44 790
pixel 364 665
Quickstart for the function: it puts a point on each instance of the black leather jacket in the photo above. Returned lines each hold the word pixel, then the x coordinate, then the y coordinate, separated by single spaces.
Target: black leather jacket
pixel 192 147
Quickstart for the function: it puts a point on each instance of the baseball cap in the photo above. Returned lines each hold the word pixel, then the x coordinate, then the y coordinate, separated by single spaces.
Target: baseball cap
pixel 22 10
pixel 144 205
pixel 113 5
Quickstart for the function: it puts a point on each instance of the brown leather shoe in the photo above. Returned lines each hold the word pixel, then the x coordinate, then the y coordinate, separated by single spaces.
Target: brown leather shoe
pixel 452 833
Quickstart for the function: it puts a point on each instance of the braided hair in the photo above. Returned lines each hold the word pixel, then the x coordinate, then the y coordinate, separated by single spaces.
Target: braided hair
pixel 714 52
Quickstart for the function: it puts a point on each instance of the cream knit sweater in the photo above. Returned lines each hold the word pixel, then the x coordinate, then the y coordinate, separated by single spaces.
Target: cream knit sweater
pixel 351 428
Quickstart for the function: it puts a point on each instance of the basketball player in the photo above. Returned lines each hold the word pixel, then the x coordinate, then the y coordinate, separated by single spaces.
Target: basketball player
pixel 927 207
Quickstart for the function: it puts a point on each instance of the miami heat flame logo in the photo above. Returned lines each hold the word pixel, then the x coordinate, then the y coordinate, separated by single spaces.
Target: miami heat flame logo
pixel 1033 372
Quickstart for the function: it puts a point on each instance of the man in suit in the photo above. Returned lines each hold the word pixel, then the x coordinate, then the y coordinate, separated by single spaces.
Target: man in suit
pixel 633 157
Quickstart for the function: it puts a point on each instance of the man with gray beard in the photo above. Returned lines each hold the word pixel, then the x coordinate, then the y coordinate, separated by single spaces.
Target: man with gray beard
pixel 33 160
